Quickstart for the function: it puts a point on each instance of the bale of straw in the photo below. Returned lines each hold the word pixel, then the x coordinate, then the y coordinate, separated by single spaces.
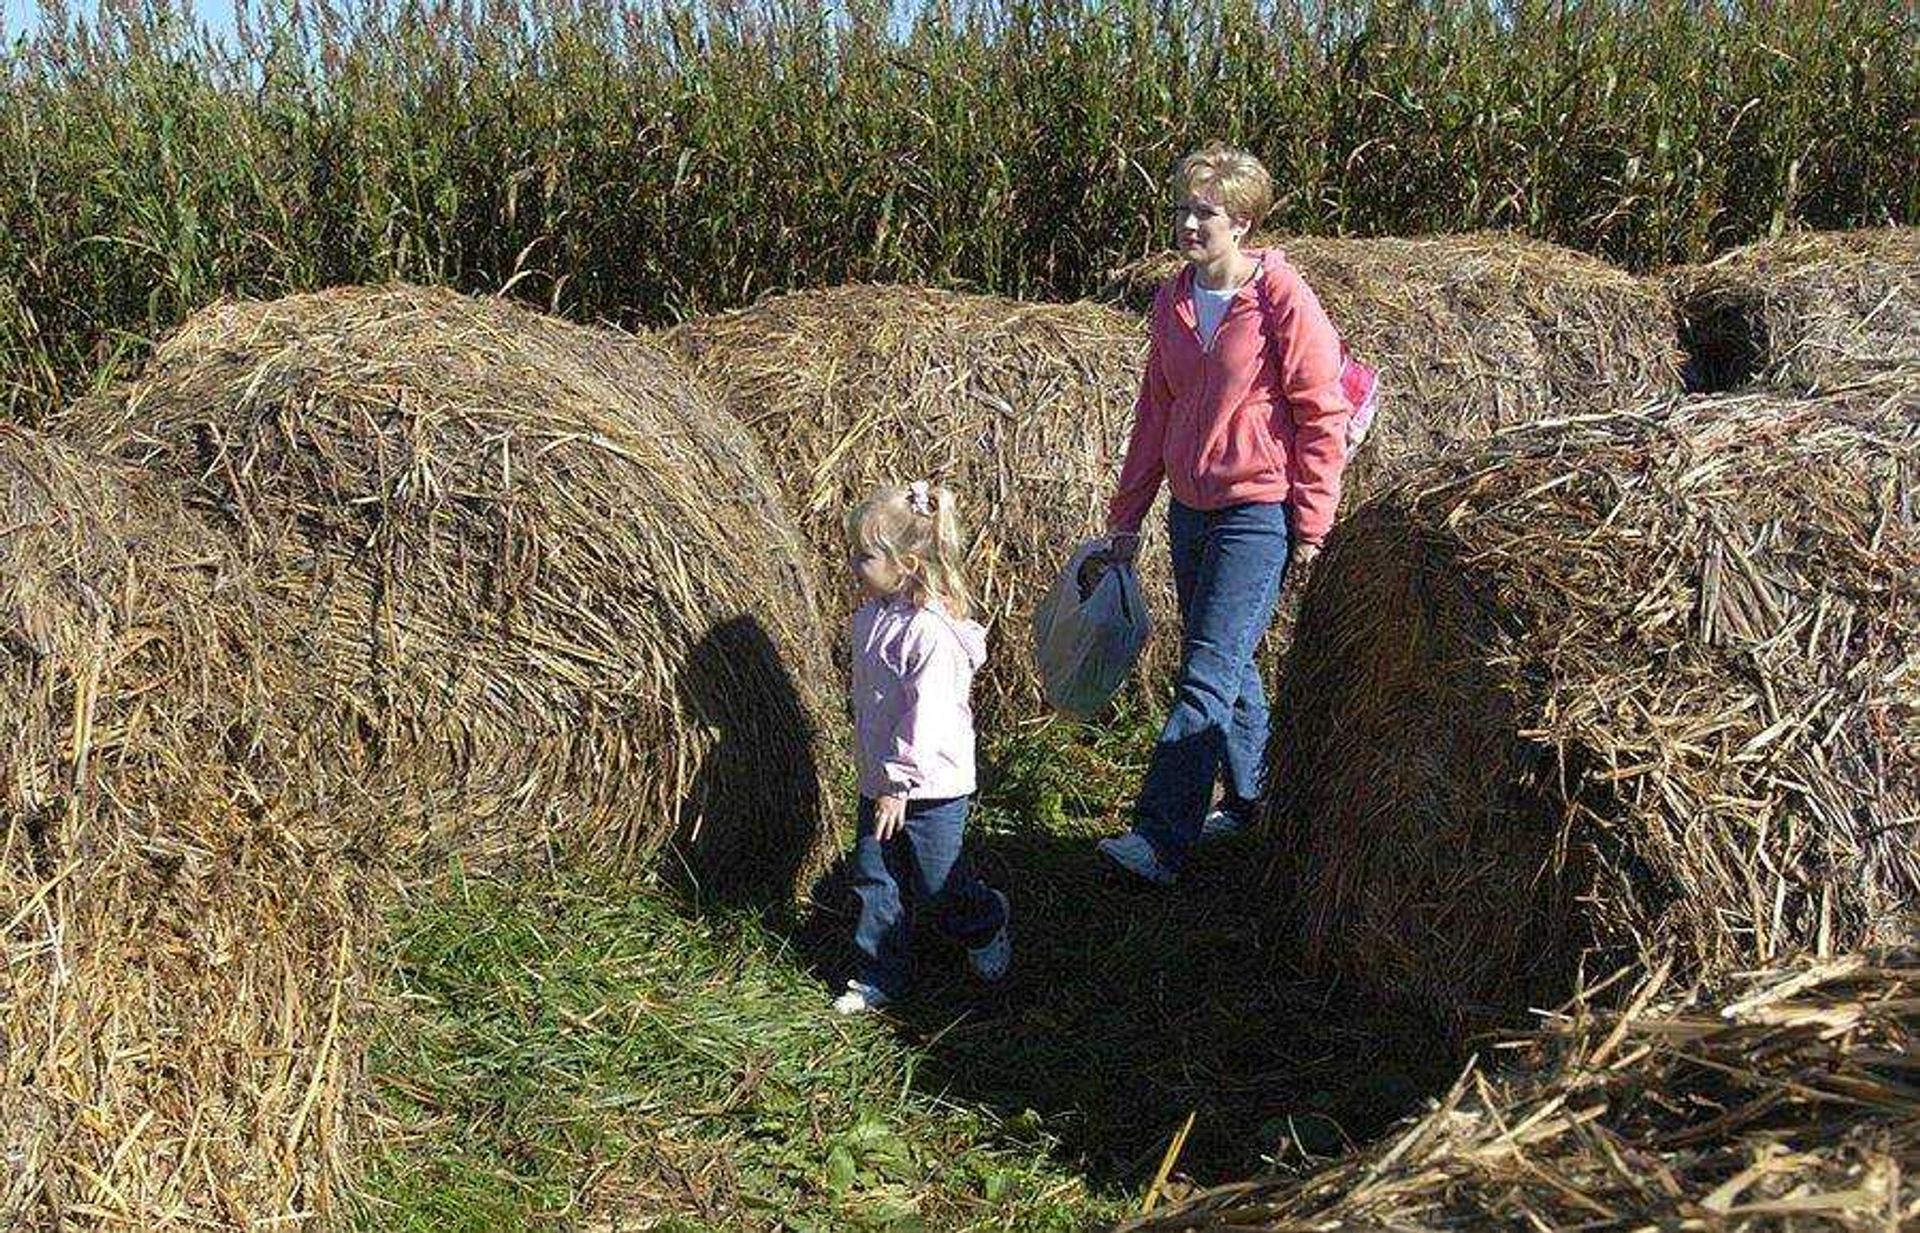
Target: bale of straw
pixel 1804 312
pixel 184 936
pixel 1023 409
pixel 1471 332
pixel 544 575
pixel 1785 1102
pixel 1642 683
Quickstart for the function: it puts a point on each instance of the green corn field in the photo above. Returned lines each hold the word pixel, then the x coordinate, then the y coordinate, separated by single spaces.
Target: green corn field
pixel 639 164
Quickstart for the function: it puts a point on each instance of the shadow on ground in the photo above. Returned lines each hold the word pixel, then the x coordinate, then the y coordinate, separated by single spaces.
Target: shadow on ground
pixel 1129 1008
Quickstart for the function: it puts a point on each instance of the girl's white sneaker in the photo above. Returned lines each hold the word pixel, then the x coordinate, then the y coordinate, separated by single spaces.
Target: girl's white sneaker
pixel 860 999
pixel 990 962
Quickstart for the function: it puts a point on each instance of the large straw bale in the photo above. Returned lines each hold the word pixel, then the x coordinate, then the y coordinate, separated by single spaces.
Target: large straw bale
pixel 184 935
pixel 1804 312
pixel 1639 683
pixel 1023 408
pixel 1782 1102
pixel 1471 332
pixel 543 571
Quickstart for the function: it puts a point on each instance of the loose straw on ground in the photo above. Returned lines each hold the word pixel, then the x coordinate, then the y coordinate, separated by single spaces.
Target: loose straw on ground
pixel 1784 1100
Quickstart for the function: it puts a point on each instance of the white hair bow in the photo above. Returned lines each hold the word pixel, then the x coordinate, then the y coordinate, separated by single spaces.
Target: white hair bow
pixel 920 497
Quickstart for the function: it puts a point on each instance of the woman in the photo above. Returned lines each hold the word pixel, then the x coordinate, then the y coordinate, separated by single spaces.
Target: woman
pixel 1241 411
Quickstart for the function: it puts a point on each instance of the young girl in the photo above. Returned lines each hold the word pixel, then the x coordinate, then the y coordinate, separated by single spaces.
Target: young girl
pixel 914 655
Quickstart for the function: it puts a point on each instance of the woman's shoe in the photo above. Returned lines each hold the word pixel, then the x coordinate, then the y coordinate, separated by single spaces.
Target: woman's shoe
pixel 860 999
pixel 1134 854
pixel 990 962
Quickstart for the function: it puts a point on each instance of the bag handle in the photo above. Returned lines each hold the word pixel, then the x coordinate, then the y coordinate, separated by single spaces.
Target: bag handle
pixel 1267 330
pixel 1369 377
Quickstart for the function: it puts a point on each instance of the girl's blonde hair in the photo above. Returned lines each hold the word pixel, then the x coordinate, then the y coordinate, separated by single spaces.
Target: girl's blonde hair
pixel 917 521
pixel 1237 178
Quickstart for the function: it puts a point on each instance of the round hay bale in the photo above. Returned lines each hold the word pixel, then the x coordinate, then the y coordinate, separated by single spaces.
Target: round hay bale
pixel 542 574
pixel 1023 409
pixel 184 941
pixel 1805 312
pixel 1642 684
pixel 1471 332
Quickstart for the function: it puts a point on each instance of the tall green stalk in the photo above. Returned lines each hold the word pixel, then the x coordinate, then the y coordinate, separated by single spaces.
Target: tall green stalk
pixel 641 164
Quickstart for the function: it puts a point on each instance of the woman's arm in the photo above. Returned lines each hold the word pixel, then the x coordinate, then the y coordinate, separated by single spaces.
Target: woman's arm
pixel 1309 354
pixel 1145 466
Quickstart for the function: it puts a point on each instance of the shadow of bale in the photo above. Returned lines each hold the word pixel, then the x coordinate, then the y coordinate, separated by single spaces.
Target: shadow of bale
pixel 1724 331
pixel 747 829
pixel 1128 1008
pixel 1395 755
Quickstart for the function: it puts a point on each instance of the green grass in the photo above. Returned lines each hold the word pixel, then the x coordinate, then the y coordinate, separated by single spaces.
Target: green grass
pixel 641 163
pixel 569 1049
pixel 562 1052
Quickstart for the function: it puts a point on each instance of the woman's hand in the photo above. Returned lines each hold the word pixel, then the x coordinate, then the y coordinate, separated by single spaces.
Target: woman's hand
pixel 1122 547
pixel 889 816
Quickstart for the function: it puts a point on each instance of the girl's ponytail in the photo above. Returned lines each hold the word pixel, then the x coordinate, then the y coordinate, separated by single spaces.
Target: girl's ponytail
pixel 947 552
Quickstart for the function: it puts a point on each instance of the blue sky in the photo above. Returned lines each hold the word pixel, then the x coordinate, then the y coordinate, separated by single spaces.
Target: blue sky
pixel 21 15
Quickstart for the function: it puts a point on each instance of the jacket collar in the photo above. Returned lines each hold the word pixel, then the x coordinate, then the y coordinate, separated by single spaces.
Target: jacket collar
pixel 1183 298
pixel 1183 285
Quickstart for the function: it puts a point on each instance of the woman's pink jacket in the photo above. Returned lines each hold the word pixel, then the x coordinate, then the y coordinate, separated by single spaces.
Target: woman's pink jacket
pixel 1257 416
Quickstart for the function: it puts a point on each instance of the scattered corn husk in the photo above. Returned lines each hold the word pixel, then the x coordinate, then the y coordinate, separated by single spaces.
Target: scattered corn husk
pixel 1784 1101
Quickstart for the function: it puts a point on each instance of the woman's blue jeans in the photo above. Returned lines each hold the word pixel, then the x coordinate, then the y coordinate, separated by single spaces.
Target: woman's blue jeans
pixel 1228 567
pixel 925 855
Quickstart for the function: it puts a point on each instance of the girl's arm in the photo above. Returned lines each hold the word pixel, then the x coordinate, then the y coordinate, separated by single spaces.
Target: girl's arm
pixel 926 720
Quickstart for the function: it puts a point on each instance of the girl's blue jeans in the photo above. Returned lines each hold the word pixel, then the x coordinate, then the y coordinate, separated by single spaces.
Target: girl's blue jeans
pixel 1228 567
pixel 924 856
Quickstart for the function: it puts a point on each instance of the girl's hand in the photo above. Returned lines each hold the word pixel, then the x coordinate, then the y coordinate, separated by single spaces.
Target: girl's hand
pixel 1304 556
pixel 889 816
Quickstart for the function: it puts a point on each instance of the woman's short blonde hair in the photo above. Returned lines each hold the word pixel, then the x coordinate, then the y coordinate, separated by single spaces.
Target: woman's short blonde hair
pixel 1235 178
